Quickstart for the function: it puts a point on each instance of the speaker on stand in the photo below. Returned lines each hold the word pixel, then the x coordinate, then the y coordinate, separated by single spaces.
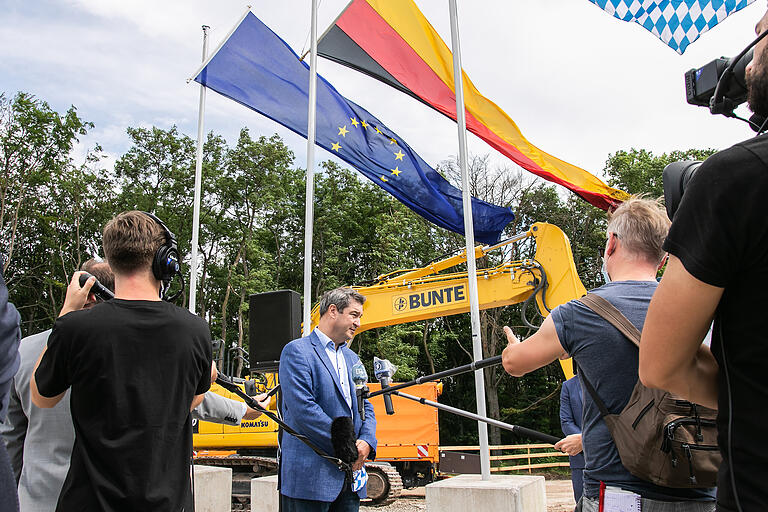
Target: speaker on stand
pixel 274 321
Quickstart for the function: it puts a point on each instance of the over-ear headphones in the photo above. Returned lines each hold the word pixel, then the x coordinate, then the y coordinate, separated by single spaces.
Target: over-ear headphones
pixel 165 264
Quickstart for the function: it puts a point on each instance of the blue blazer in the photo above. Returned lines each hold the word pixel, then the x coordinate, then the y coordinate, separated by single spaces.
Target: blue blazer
pixel 311 399
pixel 571 414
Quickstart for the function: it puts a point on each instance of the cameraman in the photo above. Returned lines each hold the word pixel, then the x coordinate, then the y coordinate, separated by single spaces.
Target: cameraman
pixel 39 441
pixel 137 366
pixel 718 269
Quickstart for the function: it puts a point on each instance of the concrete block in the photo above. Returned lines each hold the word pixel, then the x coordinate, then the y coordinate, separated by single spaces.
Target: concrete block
pixel 213 489
pixel 468 493
pixel 264 495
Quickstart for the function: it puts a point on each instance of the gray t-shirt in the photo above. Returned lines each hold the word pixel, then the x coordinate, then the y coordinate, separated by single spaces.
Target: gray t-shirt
pixel 610 362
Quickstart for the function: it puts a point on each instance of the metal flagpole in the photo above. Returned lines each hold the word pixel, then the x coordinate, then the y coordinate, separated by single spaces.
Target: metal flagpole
pixel 198 185
pixel 469 233
pixel 309 210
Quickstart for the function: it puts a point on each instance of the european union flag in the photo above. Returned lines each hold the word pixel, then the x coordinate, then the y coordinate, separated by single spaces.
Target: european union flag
pixel 259 70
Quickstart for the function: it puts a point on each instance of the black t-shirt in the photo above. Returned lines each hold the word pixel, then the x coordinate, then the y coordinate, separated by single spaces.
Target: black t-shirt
pixel 134 367
pixel 720 234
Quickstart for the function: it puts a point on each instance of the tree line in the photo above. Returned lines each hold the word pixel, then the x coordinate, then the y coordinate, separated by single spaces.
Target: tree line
pixel 52 210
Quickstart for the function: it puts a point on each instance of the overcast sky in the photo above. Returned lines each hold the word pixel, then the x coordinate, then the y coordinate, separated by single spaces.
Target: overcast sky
pixel 579 83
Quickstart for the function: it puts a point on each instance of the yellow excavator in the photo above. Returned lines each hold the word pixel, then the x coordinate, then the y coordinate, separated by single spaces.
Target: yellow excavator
pixel 408 441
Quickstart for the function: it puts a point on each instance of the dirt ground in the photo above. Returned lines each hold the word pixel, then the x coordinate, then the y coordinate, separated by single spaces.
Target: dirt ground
pixel 559 499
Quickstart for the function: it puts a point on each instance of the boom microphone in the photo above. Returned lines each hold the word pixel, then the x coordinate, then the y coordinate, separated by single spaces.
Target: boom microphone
pixel 344 444
pixel 343 439
pixel 99 290
pixel 384 370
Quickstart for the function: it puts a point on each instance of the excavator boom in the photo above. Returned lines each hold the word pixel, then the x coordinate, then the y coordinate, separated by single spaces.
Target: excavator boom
pixel 425 293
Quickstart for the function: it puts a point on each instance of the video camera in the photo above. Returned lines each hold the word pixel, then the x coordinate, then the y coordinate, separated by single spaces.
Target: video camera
pixel 720 85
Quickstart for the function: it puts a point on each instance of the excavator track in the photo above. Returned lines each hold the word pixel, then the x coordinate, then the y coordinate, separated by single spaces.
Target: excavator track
pixel 384 483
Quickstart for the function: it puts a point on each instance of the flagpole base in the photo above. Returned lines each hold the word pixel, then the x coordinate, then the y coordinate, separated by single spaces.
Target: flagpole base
pixel 511 493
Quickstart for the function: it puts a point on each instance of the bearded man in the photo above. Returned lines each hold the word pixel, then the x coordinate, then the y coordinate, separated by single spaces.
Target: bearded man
pixel 718 270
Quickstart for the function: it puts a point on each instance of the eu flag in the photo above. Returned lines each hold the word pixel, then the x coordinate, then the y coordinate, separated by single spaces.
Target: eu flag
pixel 259 70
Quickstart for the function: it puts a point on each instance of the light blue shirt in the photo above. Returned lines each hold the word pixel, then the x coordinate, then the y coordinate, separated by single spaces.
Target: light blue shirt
pixel 339 363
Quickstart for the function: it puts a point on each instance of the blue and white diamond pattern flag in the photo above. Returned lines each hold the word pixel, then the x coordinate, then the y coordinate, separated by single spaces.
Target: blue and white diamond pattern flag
pixel 676 22
pixel 359 479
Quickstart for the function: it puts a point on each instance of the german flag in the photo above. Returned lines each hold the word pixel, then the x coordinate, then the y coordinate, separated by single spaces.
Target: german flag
pixel 392 41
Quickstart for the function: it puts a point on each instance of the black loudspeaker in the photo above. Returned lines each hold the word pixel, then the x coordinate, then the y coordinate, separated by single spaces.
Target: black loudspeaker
pixel 274 321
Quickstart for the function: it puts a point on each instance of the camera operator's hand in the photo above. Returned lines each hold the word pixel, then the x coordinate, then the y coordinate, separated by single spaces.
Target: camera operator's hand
pixel 76 296
pixel 251 413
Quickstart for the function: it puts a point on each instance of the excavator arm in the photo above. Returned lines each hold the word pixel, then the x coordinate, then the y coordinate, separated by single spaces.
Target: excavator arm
pixel 419 294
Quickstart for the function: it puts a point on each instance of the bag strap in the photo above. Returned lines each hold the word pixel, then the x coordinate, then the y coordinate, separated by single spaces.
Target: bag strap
pixel 616 318
pixel 598 402
pixel 612 315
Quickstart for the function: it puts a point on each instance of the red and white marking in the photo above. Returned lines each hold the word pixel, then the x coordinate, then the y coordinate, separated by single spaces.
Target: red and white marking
pixel 422 450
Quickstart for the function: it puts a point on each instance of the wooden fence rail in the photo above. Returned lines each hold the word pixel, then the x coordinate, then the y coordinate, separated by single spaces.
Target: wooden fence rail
pixel 497 461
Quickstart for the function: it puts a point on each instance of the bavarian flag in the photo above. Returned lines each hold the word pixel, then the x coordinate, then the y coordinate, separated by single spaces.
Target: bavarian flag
pixel 676 22
pixel 392 41
pixel 257 69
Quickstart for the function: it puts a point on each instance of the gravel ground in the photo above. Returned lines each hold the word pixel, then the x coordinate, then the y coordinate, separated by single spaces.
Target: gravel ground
pixel 401 505
pixel 559 499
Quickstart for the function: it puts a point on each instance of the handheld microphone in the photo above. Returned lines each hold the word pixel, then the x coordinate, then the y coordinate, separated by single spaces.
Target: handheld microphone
pixel 384 370
pixel 99 290
pixel 360 378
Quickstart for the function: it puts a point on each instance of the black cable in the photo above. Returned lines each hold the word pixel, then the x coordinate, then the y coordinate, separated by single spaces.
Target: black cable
pixel 758 128
pixel 192 472
pixel 523 311
pixel 227 384
pixel 544 286
pixel 176 295
pixel 541 286
pixel 730 416
pixel 728 72
pixel 762 127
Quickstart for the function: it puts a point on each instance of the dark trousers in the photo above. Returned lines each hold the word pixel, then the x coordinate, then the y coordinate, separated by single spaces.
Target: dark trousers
pixel 9 500
pixel 577 480
pixel 347 501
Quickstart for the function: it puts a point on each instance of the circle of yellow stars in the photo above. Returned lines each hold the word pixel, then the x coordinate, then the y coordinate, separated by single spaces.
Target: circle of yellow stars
pixel 343 131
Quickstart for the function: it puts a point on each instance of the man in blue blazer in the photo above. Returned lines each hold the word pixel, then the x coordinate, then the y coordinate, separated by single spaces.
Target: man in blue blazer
pixel 316 386
pixel 570 422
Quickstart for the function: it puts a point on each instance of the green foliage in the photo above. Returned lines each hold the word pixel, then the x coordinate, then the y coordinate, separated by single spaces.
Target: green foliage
pixel 46 201
pixel 639 171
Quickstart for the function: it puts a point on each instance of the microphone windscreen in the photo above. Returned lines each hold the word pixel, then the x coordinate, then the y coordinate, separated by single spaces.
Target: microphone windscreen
pixel 343 439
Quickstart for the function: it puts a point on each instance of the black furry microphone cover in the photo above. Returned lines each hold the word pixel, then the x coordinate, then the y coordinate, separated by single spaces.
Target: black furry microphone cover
pixel 343 439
